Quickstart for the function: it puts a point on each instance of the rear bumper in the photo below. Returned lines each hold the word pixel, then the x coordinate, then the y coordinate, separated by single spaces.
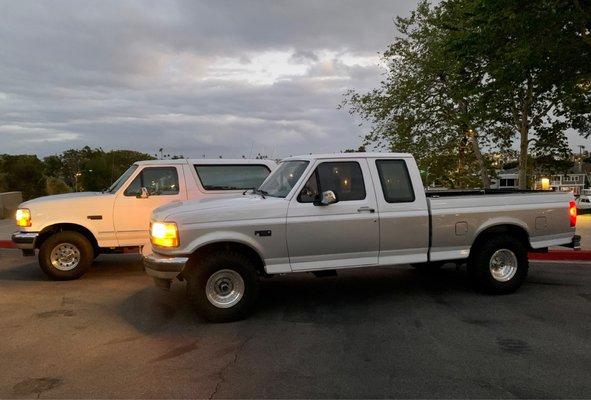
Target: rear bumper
pixel 575 243
pixel 164 267
pixel 24 240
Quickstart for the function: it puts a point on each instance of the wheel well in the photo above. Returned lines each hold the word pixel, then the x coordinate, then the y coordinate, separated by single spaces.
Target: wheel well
pixel 53 229
pixel 505 229
pixel 237 247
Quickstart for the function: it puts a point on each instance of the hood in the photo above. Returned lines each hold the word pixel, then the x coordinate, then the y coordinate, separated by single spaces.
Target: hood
pixel 66 197
pixel 222 209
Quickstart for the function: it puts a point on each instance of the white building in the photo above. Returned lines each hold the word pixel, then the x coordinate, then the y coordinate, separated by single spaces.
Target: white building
pixel 508 179
pixel 568 183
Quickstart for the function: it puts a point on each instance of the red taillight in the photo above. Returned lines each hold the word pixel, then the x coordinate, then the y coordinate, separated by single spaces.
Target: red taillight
pixel 572 213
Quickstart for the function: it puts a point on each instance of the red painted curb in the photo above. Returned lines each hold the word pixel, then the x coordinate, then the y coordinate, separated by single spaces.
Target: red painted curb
pixel 6 244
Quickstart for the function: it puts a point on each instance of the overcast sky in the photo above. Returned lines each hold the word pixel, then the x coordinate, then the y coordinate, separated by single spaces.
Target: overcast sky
pixel 195 77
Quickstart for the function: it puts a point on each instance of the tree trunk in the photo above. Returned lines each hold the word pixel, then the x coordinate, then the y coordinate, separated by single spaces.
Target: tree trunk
pixel 473 138
pixel 524 133
pixel 523 158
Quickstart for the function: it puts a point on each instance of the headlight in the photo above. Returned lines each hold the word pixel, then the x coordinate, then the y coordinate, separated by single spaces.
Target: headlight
pixel 23 217
pixel 164 234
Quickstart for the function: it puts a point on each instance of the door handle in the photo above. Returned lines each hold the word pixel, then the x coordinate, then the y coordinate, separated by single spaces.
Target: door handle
pixel 366 209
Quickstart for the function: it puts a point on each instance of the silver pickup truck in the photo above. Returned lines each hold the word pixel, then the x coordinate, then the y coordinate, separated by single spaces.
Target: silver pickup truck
pixel 321 213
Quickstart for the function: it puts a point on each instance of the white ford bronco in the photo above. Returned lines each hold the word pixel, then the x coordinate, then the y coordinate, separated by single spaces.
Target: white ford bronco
pixel 321 213
pixel 70 230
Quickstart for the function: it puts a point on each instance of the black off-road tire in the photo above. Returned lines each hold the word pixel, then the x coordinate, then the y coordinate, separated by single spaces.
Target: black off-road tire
pixel 202 269
pixel 428 267
pixel 479 265
pixel 79 241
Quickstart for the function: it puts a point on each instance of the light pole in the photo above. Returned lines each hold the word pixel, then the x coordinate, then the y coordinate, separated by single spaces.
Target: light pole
pixel 76 177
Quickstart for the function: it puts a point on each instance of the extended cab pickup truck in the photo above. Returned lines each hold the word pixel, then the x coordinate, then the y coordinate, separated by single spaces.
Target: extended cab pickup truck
pixel 327 212
pixel 70 230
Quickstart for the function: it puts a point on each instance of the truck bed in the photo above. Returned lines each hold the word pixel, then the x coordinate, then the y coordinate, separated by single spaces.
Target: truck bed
pixel 457 217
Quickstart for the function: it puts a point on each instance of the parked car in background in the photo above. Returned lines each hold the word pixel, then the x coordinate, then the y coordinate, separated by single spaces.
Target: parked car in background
pixel 323 213
pixel 584 203
pixel 70 230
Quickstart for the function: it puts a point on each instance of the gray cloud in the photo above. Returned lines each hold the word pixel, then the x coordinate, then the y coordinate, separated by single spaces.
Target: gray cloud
pixel 195 77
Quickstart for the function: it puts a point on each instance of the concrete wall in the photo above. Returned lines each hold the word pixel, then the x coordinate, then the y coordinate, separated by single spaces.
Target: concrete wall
pixel 9 202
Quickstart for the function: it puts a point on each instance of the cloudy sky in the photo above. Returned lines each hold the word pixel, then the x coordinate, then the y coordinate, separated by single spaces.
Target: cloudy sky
pixel 198 78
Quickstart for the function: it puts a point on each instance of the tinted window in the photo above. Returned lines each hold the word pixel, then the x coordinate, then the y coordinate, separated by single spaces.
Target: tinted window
pixel 231 177
pixel 395 181
pixel 345 179
pixel 283 179
pixel 160 181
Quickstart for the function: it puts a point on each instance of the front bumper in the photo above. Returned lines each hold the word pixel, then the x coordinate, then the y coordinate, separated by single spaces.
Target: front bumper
pixel 24 240
pixel 164 267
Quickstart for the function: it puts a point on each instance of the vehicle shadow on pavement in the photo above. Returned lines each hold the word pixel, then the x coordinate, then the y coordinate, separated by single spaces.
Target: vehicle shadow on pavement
pixel 27 269
pixel 353 297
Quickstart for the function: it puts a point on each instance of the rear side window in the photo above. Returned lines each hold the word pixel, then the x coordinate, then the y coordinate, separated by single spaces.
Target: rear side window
pixel 160 181
pixel 395 181
pixel 345 179
pixel 231 177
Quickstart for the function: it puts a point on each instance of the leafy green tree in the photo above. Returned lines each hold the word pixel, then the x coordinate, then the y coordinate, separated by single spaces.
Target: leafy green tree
pixel 22 173
pixel 535 64
pixel 428 104
pixel 56 186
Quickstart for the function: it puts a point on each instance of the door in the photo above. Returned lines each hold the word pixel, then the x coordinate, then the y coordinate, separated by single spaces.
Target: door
pixel 132 211
pixel 343 234
pixel 404 217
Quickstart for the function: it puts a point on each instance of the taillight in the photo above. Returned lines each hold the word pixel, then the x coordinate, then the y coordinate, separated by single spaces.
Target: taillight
pixel 572 213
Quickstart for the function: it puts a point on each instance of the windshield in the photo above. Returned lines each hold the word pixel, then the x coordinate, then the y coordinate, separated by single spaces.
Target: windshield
pixel 121 180
pixel 283 179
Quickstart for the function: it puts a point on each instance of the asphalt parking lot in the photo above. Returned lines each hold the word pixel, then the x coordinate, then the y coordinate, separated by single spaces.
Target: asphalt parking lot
pixel 379 333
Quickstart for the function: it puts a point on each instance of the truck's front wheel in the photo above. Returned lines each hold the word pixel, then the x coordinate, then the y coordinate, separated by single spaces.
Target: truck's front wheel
pixel 499 265
pixel 223 287
pixel 66 255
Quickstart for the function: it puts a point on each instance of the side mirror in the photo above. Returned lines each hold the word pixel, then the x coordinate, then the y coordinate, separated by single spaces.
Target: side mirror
pixel 328 197
pixel 144 194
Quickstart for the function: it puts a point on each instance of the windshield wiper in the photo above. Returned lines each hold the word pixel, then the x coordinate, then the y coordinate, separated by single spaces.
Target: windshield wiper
pixel 260 192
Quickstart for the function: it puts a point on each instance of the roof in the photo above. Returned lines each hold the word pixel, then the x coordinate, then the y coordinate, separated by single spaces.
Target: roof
pixel 213 161
pixel 350 155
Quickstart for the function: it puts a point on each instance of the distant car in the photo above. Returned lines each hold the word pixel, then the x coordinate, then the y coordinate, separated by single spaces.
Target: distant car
pixel 584 203
pixel 70 230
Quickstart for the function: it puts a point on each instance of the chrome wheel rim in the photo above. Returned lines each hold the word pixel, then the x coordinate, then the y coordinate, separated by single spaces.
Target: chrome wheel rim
pixel 224 288
pixel 503 265
pixel 65 257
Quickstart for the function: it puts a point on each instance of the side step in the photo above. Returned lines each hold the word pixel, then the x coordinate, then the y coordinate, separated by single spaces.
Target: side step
pixel 325 274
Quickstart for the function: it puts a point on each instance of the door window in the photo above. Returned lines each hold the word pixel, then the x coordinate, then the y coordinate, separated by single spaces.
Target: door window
pixel 395 181
pixel 160 181
pixel 231 177
pixel 344 178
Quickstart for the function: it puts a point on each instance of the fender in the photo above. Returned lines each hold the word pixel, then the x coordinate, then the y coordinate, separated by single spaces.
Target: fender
pixel 225 236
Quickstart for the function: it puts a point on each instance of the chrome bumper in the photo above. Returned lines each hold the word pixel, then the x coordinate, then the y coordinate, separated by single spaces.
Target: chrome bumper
pixel 164 267
pixel 24 240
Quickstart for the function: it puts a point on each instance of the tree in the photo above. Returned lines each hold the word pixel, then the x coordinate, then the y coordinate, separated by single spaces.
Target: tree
pixel 535 64
pixel 428 104
pixel 23 173
pixel 55 185
pixel 467 73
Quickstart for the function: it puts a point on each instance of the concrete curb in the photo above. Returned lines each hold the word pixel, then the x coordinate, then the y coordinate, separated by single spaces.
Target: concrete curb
pixel 552 255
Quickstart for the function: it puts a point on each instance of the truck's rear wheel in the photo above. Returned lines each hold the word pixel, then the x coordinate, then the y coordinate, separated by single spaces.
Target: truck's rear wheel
pixel 223 287
pixel 66 255
pixel 499 265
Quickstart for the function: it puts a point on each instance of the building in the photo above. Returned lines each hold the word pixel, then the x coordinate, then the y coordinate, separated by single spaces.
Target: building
pixel 508 179
pixel 568 182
